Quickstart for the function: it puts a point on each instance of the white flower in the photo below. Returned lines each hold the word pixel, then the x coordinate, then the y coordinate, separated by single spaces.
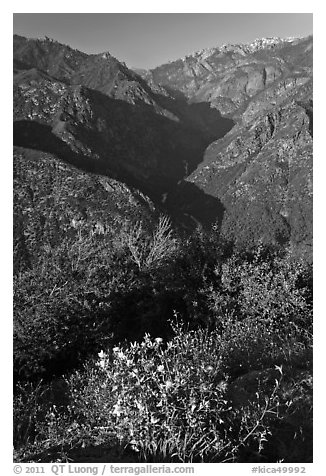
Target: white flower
pixel 101 354
pixel 102 364
pixel 160 368
pixel 222 385
pixel 168 384
pixel 140 407
pixel 117 409
pixel 209 368
pixel 134 445
pixel 115 349
pixel 158 340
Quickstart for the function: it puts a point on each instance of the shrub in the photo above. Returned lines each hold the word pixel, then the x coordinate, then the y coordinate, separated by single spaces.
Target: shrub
pixel 148 251
pixel 83 293
pixel 174 402
pixel 274 289
pixel 62 306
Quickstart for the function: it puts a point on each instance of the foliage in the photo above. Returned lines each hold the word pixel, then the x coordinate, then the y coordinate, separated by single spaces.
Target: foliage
pixel 210 388
pixel 174 402
pixel 147 252
pixel 264 288
pixel 90 290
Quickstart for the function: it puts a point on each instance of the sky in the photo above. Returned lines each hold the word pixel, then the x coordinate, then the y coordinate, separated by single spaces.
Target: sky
pixel 146 40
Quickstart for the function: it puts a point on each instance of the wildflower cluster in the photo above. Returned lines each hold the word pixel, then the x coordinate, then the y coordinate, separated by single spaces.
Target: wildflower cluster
pixel 204 391
pixel 165 401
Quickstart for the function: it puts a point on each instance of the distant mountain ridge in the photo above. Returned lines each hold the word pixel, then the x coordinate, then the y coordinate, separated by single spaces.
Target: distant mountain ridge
pixel 230 75
pixel 249 47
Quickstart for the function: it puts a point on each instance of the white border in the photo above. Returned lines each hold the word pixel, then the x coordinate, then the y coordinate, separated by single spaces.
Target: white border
pixel 168 6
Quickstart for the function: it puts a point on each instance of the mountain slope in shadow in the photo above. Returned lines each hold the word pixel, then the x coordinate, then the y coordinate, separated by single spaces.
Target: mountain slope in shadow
pixel 132 142
pixel 163 131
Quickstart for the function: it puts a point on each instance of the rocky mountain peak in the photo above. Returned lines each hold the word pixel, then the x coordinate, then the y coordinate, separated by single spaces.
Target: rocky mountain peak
pixel 47 39
pixel 246 48
pixel 269 42
pixel 106 55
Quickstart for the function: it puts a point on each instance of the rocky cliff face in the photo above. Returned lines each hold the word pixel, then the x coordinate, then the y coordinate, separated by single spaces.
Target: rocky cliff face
pixel 100 115
pixel 222 136
pixel 229 76
pixel 260 173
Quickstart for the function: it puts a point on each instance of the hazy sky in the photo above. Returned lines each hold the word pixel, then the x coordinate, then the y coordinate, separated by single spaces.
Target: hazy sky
pixel 146 40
